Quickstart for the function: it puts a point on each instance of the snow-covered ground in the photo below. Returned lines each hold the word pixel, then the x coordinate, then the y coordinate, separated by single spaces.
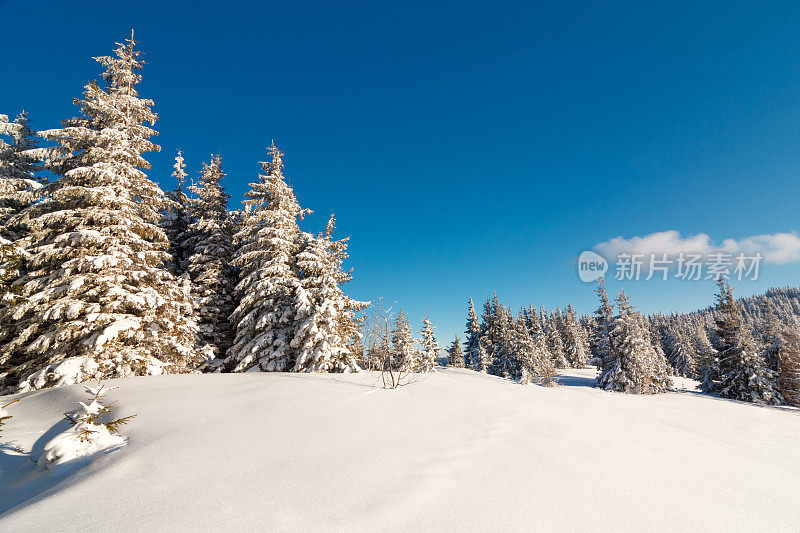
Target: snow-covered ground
pixel 457 451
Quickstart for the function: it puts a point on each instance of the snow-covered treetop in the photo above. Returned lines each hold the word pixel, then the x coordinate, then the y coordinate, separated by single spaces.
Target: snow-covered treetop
pixel 180 170
pixel 112 128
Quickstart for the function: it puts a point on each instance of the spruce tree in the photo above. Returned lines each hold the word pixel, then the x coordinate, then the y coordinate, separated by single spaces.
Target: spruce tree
pixel 177 218
pixel 268 241
pixel 743 374
pixel 455 355
pixel 600 337
pixel 486 341
pixel 707 361
pixel 348 323
pixel 98 300
pixel 208 246
pixel 680 353
pixel 545 368
pixel 430 348
pixel 572 337
pixel 472 341
pixel 519 363
pixel 484 359
pixel 529 350
pixel 403 354
pixel 554 343
pixel 631 364
pixel 326 328
pixel 497 320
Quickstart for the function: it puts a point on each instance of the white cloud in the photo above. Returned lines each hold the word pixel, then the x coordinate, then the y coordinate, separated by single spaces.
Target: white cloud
pixel 777 248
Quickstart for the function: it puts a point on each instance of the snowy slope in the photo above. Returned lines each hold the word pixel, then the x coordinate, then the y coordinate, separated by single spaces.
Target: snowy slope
pixel 458 451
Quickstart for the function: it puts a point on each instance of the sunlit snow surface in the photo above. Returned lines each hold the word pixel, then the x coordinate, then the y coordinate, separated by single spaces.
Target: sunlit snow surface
pixel 457 451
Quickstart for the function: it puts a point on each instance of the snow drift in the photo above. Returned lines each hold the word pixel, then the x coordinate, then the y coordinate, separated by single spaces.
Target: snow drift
pixel 457 451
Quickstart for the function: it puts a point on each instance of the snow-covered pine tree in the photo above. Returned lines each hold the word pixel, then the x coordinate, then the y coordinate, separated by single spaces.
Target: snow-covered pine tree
pixel 486 340
pixel 660 356
pixel 680 352
pixel 349 323
pixel 404 355
pixel 631 364
pixel 789 367
pixel 519 357
pixel 584 324
pixel 497 326
pixel 707 370
pixel 528 349
pixel 544 367
pixel 99 302
pixel 177 218
pixel 599 339
pixel 268 241
pixel 554 343
pixel 326 326
pixel 472 342
pixel 430 348
pixel 572 338
pixel 771 337
pixel 455 357
pixel 484 360
pixel 743 374
pixel 208 247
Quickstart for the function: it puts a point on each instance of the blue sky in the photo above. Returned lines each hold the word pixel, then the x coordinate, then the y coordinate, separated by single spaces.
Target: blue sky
pixel 466 147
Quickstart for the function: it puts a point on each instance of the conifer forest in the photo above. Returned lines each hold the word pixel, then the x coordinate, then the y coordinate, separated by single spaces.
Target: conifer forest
pixel 163 338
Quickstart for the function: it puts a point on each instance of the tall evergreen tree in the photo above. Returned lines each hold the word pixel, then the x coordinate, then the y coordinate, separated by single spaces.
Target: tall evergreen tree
pixel 631 365
pixel 348 322
pixel 680 353
pixel 455 355
pixel 543 357
pixel 98 300
pixel 572 338
pixel 529 347
pixel 486 338
pixel 430 348
pixel 472 357
pixel 326 328
pixel 268 241
pixel 600 336
pixel 177 218
pixel 554 343
pixel 404 355
pixel 497 322
pixel 707 361
pixel 518 357
pixel 208 246
pixel 484 359
pixel 743 374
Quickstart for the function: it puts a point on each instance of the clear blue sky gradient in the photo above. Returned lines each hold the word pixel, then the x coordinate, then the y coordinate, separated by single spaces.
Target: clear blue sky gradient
pixel 466 147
